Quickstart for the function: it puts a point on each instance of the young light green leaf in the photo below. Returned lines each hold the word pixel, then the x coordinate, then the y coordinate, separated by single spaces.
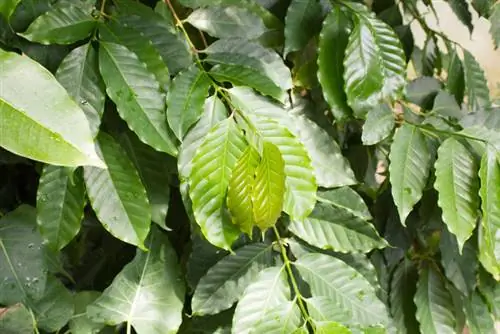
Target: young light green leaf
pixel 16 319
pixel 23 273
pixel 332 278
pixel 457 185
pixel 378 125
pixel 117 194
pixel 263 306
pixel 332 45
pixel 7 7
pixel 461 10
pixel 479 319
pixel 58 130
pixel 60 203
pixel 402 289
pixel 300 14
pixel 262 63
pixel 62 25
pixel 153 168
pixel 434 303
pixel 226 281
pixel 142 292
pixel 214 112
pixel 455 83
pixel 347 199
pixel 79 75
pixel 476 85
pixel 212 166
pixel 80 322
pixel 185 99
pixel 227 22
pixel 239 192
pixel 115 32
pixel 495 24
pixel 410 163
pixel 328 227
pixel 137 96
pixel 269 187
pixel 489 235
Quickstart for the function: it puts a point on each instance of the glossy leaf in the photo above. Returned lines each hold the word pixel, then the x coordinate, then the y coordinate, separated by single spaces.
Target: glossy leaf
pixel 185 99
pixel 137 96
pixel 347 199
pixel 265 307
pixel 378 125
pixel 212 166
pixel 325 310
pixel 80 322
pixel 62 25
pixel 79 75
pixel 301 14
pixel 476 85
pixel 269 188
pixel 7 7
pixel 332 278
pixel 226 22
pixel 457 185
pixel 495 24
pixel 411 161
pixel 402 289
pixel 332 44
pixel 143 290
pixel 328 227
pixel 22 269
pixel 60 203
pixel 455 83
pixel 226 281
pixel 59 132
pixel 434 303
pixel 240 190
pixel 117 194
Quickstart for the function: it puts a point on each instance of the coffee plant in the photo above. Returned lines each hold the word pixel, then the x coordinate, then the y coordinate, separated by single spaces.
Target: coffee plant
pixel 245 166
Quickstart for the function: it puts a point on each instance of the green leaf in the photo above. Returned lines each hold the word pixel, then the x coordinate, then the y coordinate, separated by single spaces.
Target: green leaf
pixel 79 75
pixel 265 307
pixel 7 7
pixel 214 112
pixel 457 185
pixel 331 50
pixel 16 319
pixel 328 227
pixel 422 91
pixel 489 236
pixel 148 294
pixel 446 105
pixel 226 281
pixel 476 84
pixel 301 14
pixel 117 194
pixel 55 308
pixel 57 127
pixel 62 25
pixel 459 268
pixel 153 168
pixel 60 203
pixel 226 22
pixel 239 193
pixel 483 7
pixel 185 99
pixel 323 310
pixel 402 290
pixel 347 199
pixel 378 125
pixel 258 62
pixel 80 322
pixel 461 10
pixel 495 24
pixel 375 64
pixel 332 278
pixel 434 303
pixel 132 39
pixel 22 269
pixel 479 319
pixel 431 57
pixel 213 163
pixel 269 188
pixel 329 327
pixel 410 164
pixel 137 96
pixel 455 83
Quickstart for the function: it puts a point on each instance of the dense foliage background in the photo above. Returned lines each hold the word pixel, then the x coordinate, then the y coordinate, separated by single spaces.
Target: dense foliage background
pixel 245 166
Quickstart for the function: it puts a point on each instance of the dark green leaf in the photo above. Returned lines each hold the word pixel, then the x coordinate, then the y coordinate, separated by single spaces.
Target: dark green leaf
pixel 16 319
pixel 479 319
pixel 80 322
pixel 475 82
pixel 495 24
pixel 446 105
pixel 185 99
pixel 347 199
pixel 455 83
pixel 422 91
pixel 301 14
pixel 431 57
pixel 402 289
pixel 7 7
pixel 378 125
pixel 461 10
pixel 483 7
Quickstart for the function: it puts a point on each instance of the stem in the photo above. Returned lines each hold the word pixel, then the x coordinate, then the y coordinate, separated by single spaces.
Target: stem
pixel 295 286
pixel 129 328
pixel 103 7
pixel 181 26
pixel 434 130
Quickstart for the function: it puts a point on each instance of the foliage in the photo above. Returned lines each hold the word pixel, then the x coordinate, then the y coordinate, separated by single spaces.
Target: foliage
pixel 245 166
